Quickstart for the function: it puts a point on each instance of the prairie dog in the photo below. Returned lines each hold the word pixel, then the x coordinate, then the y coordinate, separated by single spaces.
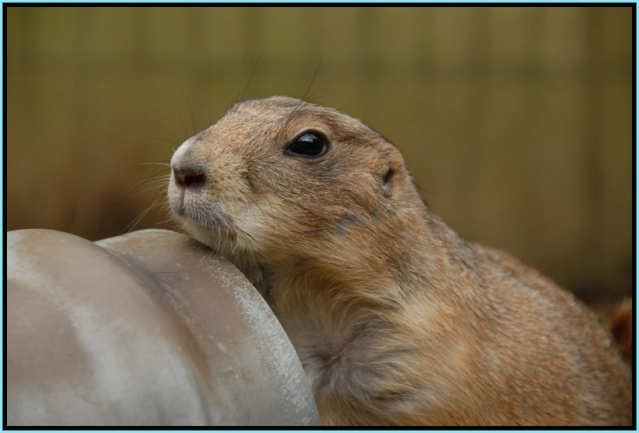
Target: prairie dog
pixel 396 319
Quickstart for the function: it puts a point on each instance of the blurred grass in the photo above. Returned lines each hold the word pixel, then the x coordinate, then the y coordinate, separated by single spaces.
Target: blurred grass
pixel 515 121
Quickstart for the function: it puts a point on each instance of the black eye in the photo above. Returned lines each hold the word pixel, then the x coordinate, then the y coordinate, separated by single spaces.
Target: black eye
pixel 308 145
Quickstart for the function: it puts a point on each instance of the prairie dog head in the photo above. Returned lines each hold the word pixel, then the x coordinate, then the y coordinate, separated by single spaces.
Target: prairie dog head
pixel 278 178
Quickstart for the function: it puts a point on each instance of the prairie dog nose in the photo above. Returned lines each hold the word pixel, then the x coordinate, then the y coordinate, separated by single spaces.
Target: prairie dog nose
pixel 188 173
pixel 190 176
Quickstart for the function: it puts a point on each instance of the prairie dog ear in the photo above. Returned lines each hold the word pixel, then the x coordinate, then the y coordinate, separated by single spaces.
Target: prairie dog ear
pixel 387 182
pixel 393 163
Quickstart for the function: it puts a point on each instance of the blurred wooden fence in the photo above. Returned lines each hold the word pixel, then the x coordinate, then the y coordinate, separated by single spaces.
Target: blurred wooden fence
pixel 516 122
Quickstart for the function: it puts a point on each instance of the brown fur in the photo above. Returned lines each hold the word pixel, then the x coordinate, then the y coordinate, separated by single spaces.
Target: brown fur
pixel 622 329
pixel 396 319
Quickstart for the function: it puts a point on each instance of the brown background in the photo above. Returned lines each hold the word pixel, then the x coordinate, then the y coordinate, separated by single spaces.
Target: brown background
pixel 516 122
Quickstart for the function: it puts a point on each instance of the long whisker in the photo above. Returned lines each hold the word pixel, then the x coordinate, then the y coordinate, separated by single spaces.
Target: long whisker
pixel 161 164
pixel 156 203
pixel 159 183
pixel 250 78
pixel 308 89
pixel 188 105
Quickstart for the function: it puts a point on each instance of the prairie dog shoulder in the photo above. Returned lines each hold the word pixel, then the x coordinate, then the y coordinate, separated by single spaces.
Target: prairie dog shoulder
pixel 396 319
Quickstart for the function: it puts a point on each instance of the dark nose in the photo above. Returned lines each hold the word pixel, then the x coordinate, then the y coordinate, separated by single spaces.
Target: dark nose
pixel 190 177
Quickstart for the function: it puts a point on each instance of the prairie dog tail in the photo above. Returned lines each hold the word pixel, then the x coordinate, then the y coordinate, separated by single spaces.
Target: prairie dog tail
pixel 622 328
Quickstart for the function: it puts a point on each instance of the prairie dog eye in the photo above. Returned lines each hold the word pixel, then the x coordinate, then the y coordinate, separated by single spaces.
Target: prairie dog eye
pixel 308 145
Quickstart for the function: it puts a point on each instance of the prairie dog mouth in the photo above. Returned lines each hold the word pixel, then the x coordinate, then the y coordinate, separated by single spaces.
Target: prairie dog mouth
pixel 210 215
